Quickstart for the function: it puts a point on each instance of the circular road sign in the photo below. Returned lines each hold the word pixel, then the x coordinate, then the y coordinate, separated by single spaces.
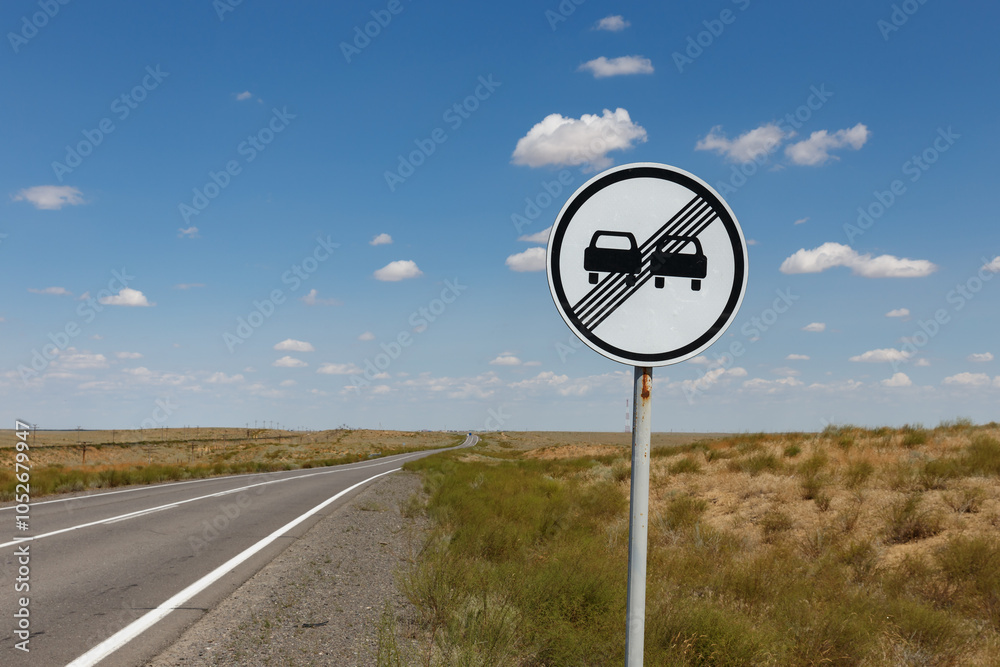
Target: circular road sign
pixel 647 264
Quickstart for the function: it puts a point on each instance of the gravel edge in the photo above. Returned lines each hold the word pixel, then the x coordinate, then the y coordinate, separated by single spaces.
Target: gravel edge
pixel 319 601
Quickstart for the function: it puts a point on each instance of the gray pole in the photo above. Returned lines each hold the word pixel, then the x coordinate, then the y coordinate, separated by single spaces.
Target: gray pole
pixel 638 522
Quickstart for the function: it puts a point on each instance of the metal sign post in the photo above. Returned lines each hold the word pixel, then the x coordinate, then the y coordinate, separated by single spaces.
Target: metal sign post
pixel 638 520
pixel 648 266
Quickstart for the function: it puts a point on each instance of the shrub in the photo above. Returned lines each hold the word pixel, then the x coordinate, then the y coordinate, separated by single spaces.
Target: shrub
pixel 973 564
pixel 621 471
pixel 967 500
pixel 982 456
pixel 756 463
pixel 812 478
pixel 791 451
pixel 773 523
pixel 913 436
pixel 908 522
pixel 936 472
pixel 857 474
pixel 686 464
pixel 862 558
pixel 683 511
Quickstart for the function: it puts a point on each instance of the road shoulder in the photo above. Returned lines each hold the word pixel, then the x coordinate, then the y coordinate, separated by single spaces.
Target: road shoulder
pixel 319 601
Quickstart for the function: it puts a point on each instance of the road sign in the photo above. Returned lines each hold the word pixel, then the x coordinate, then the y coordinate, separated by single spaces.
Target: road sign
pixel 647 264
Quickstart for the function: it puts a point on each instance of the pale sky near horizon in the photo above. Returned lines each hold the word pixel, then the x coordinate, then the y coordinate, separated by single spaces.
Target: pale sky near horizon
pixel 324 214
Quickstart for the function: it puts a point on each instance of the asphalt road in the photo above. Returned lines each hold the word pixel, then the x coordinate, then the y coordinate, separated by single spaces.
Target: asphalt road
pixel 116 577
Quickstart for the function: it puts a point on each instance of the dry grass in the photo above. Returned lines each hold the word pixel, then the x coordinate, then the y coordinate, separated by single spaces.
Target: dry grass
pixel 77 460
pixel 852 546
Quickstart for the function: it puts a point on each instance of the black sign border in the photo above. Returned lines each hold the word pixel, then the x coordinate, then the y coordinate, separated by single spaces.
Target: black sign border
pixel 696 187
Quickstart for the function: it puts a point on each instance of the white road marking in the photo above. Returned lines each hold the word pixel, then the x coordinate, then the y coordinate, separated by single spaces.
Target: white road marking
pixel 137 627
pixel 132 515
pixel 147 487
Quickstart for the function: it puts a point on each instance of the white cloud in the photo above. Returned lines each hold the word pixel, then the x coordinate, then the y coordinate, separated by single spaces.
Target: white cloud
pixel 830 255
pixel 981 357
pixel 747 146
pixel 801 221
pixel 292 345
pixel 222 378
pixel 815 327
pixel 897 380
pixel 994 265
pixel 428 387
pixel 506 359
pixel 381 239
pixel 126 297
pixel 188 285
pixel 259 389
pixel 613 23
pixel 72 360
pixel 312 299
pixel 368 335
pixel 816 149
pixel 898 312
pixel 884 355
pixel 338 369
pixel 922 362
pixel 287 383
pixel 971 379
pixel 797 357
pixel 289 362
pixel 603 67
pixel 399 270
pixel 561 141
pixel 189 233
pixel 50 197
pixel 55 291
pixel 549 383
pixel 128 355
pixel 245 95
pixel 771 386
pixel 712 377
pixel 532 259
pixel 537 237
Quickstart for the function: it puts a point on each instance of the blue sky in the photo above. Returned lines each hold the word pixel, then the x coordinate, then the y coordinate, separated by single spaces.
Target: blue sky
pixel 218 213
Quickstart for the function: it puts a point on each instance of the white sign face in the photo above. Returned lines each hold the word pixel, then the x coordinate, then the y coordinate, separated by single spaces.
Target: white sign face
pixel 647 264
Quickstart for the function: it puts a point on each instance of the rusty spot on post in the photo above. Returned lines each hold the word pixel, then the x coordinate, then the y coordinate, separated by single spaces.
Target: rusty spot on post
pixel 647 383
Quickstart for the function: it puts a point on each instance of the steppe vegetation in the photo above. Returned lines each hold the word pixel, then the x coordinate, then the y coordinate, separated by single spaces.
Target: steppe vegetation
pixel 852 546
pixel 74 461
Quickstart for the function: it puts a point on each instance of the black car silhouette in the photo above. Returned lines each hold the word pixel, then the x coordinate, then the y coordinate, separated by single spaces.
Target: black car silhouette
pixel 612 260
pixel 677 264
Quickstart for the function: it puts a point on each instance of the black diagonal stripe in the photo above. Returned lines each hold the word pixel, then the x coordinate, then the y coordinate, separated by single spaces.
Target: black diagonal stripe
pixel 610 305
pixel 691 209
pixel 677 219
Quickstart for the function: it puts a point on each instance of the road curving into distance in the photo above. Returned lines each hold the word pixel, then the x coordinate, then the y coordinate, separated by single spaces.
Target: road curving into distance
pixel 116 577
